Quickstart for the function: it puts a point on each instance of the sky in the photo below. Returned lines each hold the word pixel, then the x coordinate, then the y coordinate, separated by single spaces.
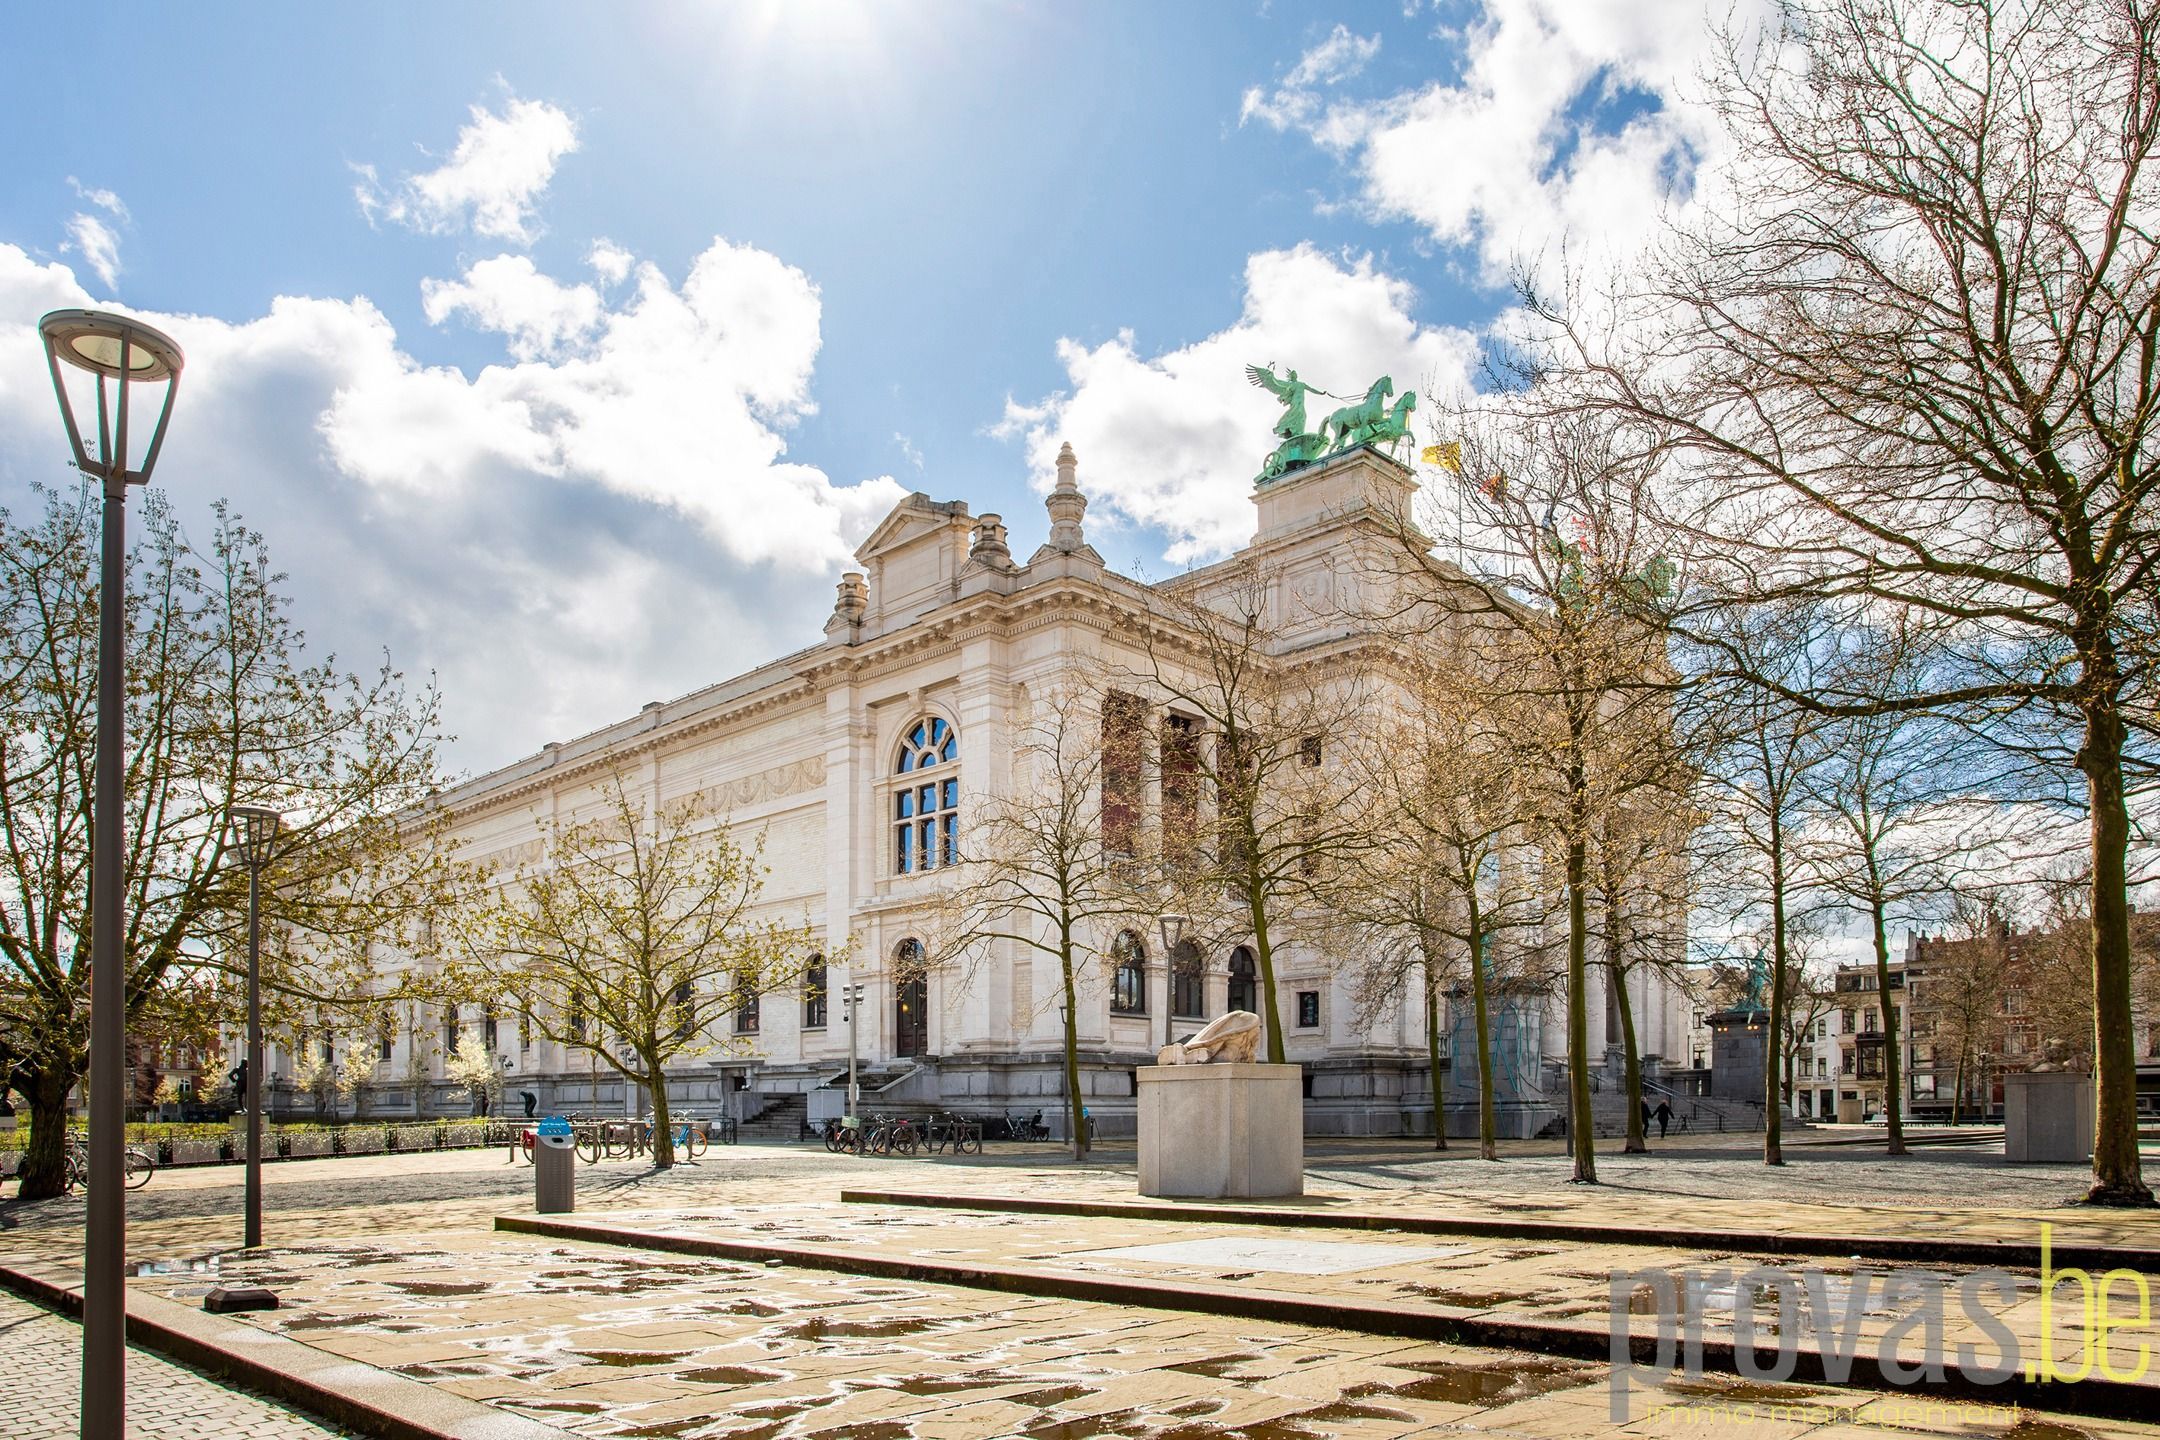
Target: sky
pixel 564 353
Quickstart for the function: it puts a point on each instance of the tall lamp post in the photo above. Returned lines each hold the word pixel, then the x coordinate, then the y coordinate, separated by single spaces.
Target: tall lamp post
pixel 257 841
pixel 120 354
pixel 1173 931
pixel 851 996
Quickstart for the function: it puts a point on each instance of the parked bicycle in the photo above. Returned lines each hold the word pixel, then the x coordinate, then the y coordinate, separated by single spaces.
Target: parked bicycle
pixel 137 1166
pixel 962 1135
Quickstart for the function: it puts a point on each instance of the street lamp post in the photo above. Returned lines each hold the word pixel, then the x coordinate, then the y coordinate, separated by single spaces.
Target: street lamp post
pixel 258 826
pixel 1172 925
pixel 851 996
pixel 120 354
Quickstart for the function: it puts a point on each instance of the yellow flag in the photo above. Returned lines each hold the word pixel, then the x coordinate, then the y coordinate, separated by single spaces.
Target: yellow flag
pixel 1448 455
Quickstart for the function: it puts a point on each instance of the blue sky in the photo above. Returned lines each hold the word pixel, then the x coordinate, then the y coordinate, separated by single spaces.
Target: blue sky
pixel 566 350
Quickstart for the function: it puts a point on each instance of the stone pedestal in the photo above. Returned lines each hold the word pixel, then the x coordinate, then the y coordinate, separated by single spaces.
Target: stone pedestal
pixel 1222 1132
pixel 2048 1117
pixel 1739 1053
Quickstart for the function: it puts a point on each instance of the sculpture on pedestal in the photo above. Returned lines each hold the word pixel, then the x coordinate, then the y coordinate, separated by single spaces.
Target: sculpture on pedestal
pixel 1370 421
pixel 1229 1040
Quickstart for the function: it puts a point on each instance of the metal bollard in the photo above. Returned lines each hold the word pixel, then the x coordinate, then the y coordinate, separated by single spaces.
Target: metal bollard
pixel 554 1168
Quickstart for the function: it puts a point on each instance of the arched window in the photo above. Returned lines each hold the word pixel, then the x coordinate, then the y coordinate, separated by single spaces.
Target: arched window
pixel 1244 982
pixel 813 994
pixel 1128 983
pixel 1188 982
pixel 926 810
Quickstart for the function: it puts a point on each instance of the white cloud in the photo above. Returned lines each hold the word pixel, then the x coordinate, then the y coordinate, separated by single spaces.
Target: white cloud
pixel 609 261
pixel 908 449
pixel 1174 440
pixel 105 200
pixel 1296 100
pixel 539 315
pixel 97 243
pixel 519 532
pixel 492 182
pixel 1569 118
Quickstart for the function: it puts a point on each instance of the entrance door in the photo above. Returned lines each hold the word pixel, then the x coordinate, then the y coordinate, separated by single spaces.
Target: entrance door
pixel 911 1017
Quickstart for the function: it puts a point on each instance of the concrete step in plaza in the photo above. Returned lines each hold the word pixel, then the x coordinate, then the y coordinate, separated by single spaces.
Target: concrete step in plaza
pixel 42 1390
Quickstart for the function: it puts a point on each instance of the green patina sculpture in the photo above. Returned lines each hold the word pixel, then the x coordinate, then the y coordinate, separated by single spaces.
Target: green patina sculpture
pixel 1758 983
pixel 1370 421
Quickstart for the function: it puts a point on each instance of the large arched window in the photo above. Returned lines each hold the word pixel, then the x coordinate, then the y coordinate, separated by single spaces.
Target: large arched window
pixel 1128 982
pixel 1244 982
pixel 926 807
pixel 1188 982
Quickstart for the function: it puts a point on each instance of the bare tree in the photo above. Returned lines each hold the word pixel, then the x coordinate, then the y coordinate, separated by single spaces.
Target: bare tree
pixel 1445 882
pixel 1759 775
pixel 633 938
pixel 1036 872
pixel 1548 603
pixel 1275 734
pixel 1910 360
pixel 1886 837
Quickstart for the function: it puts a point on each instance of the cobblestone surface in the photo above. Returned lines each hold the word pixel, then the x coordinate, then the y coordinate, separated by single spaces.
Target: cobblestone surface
pixel 44 1370
pixel 390 1261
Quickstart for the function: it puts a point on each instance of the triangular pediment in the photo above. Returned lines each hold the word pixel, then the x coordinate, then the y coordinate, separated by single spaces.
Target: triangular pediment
pixel 910 520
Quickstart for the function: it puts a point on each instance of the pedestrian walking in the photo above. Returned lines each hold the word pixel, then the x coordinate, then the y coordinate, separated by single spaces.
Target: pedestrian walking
pixel 1664 1117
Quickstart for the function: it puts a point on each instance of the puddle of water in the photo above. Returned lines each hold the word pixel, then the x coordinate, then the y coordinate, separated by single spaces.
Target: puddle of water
pixel 1464 1299
pixel 1055 1395
pixel 1215 1368
pixel 634 1357
pixel 731 1375
pixel 2031 1429
pixel 437 1287
pixel 820 1328
pixel 1480 1384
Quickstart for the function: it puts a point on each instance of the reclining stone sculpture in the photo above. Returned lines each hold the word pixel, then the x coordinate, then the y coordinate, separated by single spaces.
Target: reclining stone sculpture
pixel 1228 1040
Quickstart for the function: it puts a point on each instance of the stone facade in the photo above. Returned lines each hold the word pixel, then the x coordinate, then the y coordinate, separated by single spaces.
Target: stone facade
pixel 942 628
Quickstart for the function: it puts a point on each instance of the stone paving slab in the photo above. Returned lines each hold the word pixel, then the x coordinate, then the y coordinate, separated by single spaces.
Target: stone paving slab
pixel 1554 1300
pixel 164 1401
pixel 606 1342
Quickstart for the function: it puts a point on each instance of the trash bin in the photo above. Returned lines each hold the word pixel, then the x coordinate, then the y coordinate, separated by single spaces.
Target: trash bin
pixel 554 1168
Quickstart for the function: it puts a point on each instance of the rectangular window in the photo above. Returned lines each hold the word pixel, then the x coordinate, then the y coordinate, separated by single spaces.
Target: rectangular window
pixel 1124 766
pixel 813 995
pixel 1181 786
pixel 746 1008
pixel 1308 1009
pixel 1308 751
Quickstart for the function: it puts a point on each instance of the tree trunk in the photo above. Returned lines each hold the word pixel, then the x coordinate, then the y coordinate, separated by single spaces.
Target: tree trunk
pixel 1264 956
pixel 663 1140
pixel 44 1164
pixel 1488 1139
pixel 1581 1136
pixel 1957 1096
pixel 1637 1141
pixel 1432 1055
pixel 1075 1107
pixel 2116 1174
pixel 1773 1083
pixel 1893 1058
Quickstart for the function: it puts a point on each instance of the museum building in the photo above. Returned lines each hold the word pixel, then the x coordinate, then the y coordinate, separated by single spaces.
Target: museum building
pixel 854 759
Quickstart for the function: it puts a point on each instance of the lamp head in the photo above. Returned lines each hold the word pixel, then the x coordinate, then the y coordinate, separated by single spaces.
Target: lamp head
pixel 1173 930
pixel 125 353
pixel 96 341
pixel 257 827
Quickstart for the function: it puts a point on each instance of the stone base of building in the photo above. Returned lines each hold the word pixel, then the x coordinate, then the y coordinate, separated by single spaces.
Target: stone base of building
pixel 1376 1095
pixel 1222 1132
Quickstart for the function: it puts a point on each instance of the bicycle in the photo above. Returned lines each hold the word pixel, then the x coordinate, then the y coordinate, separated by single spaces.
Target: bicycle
pixel 137 1166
